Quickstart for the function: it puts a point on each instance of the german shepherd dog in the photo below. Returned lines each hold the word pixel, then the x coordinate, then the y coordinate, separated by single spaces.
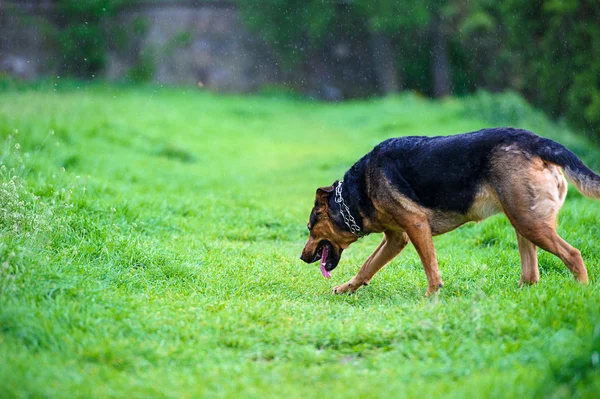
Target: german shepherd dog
pixel 413 188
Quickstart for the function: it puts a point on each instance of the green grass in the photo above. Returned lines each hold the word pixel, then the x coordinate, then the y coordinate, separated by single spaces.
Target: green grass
pixel 162 261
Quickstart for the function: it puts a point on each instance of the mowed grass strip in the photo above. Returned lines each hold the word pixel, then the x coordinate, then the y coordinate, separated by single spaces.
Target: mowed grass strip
pixel 149 248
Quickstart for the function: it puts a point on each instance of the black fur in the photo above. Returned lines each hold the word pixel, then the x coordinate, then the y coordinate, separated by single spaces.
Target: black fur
pixel 554 152
pixel 440 173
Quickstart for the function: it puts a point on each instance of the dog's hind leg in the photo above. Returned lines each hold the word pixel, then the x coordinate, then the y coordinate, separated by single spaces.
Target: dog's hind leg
pixel 530 273
pixel 531 199
pixel 391 245
pixel 545 236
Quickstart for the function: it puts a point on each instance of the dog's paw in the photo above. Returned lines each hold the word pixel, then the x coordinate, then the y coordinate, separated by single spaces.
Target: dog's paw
pixel 347 288
pixel 433 289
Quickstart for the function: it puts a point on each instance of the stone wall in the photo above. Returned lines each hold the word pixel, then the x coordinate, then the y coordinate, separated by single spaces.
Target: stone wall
pixel 184 43
pixel 187 43
pixel 26 50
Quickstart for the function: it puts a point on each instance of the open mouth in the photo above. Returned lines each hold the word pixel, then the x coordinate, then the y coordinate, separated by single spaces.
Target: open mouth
pixel 323 252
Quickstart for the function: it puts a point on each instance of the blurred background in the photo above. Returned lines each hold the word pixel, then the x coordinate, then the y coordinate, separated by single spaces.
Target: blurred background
pixel 548 51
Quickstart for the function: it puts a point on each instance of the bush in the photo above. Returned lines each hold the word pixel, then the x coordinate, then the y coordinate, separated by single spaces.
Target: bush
pixel 82 38
pixel 559 60
pixel 511 109
pixel 507 108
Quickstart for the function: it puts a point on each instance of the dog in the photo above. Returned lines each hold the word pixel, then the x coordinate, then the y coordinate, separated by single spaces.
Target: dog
pixel 413 188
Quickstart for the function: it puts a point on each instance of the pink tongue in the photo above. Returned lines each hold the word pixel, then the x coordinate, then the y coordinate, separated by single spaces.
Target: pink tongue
pixel 325 273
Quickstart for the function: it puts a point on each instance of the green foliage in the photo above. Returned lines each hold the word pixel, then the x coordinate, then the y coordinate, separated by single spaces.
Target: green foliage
pixel 508 108
pixel 163 261
pixel 556 47
pixel 295 28
pixel 299 28
pixel 144 68
pixel 127 41
pixel 8 82
pixel 183 39
pixel 82 37
pixel 392 16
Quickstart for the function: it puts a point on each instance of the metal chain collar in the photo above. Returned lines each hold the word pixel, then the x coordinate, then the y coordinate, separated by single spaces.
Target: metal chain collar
pixel 345 212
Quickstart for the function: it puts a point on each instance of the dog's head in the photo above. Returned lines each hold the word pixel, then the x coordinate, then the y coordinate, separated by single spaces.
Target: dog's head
pixel 327 240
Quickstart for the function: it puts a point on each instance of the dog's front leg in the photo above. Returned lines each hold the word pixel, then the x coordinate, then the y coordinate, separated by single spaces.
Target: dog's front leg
pixel 391 245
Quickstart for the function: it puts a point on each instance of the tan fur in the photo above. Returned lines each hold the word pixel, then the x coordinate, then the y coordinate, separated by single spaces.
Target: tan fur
pixel 530 273
pixel 485 205
pixel 532 192
pixel 324 229
pixel 402 215
pixel 392 244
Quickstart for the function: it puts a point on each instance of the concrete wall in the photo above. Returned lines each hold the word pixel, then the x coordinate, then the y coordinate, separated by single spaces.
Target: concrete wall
pixel 26 49
pixel 193 44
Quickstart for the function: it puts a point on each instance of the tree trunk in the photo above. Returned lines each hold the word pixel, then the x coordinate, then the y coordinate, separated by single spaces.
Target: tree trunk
pixel 385 64
pixel 440 63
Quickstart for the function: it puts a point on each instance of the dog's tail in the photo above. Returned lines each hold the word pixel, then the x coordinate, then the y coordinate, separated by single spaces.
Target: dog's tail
pixel 582 177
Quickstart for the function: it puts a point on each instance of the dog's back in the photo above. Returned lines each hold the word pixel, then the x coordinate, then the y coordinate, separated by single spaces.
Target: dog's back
pixel 447 173
pixel 443 173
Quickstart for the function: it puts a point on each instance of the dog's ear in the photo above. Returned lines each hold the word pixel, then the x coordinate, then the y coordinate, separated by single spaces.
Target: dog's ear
pixel 322 197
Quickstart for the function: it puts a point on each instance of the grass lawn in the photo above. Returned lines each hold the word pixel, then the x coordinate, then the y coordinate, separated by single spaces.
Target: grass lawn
pixel 150 240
